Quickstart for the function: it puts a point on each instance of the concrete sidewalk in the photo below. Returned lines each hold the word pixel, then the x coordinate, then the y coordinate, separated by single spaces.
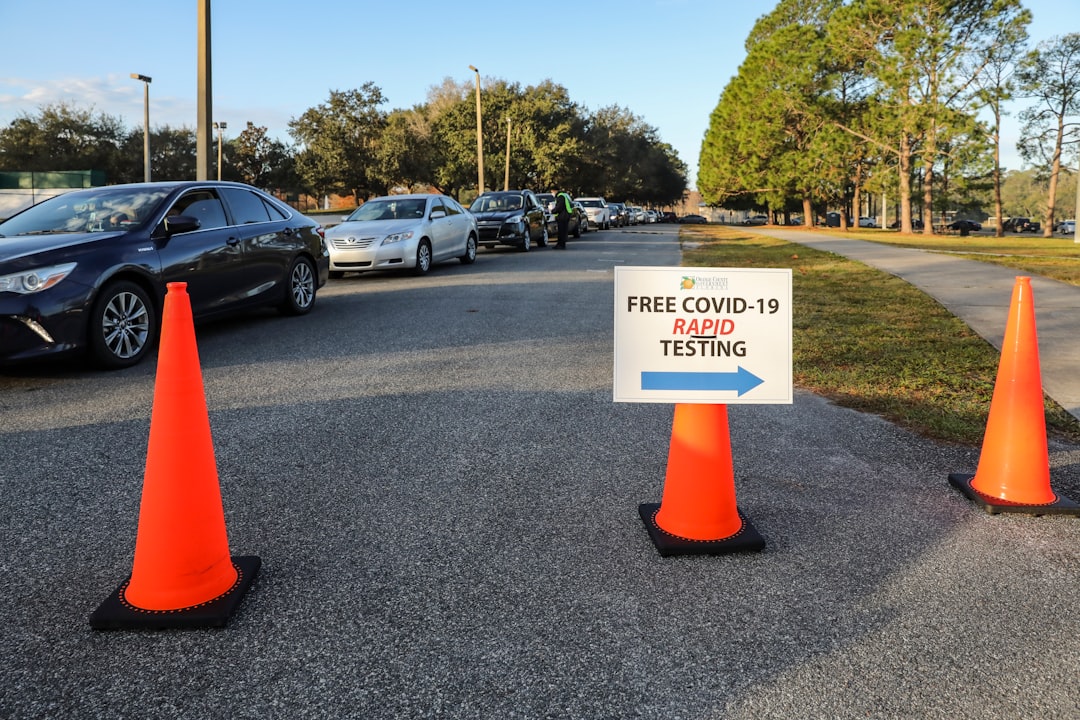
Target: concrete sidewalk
pixel 979 294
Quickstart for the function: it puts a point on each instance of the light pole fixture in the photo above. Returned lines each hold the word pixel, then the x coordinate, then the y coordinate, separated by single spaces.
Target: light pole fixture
pixel 479 138
pixel 145 79
pixel 220 127
pixel 506 178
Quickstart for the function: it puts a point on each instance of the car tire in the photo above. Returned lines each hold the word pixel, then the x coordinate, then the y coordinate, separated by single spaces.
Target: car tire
pixel 423 258
pixel 544 238
pixel 123 325
pixel 526 242
pixel 470 251
pixel 577 230
pixel 299 288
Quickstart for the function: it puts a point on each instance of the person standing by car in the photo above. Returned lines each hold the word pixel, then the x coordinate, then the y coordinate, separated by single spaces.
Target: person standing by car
pixel 564 210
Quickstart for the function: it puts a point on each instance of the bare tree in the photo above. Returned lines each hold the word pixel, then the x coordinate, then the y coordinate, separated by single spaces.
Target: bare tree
pixel 1050 75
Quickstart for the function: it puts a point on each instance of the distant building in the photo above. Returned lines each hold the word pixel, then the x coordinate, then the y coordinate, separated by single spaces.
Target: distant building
pixel 20 190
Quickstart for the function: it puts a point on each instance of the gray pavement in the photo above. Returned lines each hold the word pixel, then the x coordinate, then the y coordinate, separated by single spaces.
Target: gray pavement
pixel 444 498
pixel 979 294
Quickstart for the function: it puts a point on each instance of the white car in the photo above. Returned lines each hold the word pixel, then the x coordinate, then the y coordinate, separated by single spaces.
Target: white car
pixel 1067 227
pixel 867 222
pixel 402 232
pixel 597 210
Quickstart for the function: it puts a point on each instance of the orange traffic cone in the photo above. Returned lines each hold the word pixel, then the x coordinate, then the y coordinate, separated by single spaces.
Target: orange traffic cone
pixel 182 575
pixel 697 514
pixel 1014 466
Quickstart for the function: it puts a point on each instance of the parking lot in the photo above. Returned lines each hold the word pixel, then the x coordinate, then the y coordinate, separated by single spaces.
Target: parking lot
pixel 444 499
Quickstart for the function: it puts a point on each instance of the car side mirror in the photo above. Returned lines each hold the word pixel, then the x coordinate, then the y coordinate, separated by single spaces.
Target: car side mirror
pixel 436 214
pixel 178 224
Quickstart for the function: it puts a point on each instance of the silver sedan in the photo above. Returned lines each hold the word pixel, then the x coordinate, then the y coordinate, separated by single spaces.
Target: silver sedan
pixel 410 232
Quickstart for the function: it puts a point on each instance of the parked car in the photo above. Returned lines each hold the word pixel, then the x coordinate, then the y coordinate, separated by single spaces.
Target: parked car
pixel 1067 227
pixel 87 271
pixel 637 215
pixel 579 224
pixel 867 222
pixel 693 220
pixel 579 221
pixel 916 224
pixel 407 232
pixel 1020 224
pixel 756 220
pixel 510 217
pixel 964 225
pixel 619 216
pixel 668 217
pixel 597 208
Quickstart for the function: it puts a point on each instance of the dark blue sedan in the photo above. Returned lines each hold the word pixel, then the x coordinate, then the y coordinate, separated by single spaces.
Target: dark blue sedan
pixel 87 270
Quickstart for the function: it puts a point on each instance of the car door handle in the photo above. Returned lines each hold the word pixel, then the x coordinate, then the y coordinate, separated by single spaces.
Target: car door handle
pixel 233 240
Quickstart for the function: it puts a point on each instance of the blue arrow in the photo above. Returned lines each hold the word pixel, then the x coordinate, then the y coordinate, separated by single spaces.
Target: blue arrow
pixel 742 381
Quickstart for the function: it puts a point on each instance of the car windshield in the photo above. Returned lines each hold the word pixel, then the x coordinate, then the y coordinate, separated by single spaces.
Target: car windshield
pixel 496 203
pixel 98 210
pixel 389 209
pixel 591 203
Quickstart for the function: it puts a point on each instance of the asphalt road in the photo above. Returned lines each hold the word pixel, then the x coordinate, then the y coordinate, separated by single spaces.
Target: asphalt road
pixel 444 498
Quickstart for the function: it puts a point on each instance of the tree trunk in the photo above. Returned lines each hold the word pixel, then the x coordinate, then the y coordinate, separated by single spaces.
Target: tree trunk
pixel 928 194
pixel 999 231
pixel 856 200
pixel 904 157
pixel 1055 169
pixel 807 213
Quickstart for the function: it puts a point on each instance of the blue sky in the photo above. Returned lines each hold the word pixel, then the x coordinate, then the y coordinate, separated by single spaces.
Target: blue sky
pixel 666 61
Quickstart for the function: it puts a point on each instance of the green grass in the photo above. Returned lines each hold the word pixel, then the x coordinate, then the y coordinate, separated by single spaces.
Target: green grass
pixel 1056 257
pixel 872 342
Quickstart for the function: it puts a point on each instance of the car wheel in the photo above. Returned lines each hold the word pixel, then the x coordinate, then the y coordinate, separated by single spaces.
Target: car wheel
pixel 544 238
pixel 300 292
pixel 423 258
pixel 577 230
pixel 123 325
pixel 526 243
pixel 470 251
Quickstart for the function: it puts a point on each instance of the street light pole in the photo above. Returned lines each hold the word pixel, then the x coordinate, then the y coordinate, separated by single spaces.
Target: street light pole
pixel 479 138
pixel 506 179
pixel 220 127
pixel 146 123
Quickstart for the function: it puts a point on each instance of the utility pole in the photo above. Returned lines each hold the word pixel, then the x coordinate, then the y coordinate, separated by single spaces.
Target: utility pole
pixel 205 117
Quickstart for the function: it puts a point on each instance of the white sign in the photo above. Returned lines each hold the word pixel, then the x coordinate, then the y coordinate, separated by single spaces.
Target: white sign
pixel 702 335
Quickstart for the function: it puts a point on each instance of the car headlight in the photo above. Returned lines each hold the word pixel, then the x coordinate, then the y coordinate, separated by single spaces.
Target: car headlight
pixel 36 280
pixel 514 219
pixel 397 237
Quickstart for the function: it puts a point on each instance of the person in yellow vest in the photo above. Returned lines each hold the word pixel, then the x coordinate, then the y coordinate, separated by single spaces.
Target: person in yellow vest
pixel 564 210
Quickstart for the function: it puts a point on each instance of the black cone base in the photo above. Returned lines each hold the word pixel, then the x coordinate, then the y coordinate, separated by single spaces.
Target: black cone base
pixel 118 614
pixel 993 505
pixel 746 539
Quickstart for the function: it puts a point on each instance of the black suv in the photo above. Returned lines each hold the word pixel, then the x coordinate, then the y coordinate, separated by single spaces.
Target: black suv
pixel 510 217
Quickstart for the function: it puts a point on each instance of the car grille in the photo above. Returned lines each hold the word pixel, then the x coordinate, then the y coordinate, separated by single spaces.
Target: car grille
pixel 352 242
